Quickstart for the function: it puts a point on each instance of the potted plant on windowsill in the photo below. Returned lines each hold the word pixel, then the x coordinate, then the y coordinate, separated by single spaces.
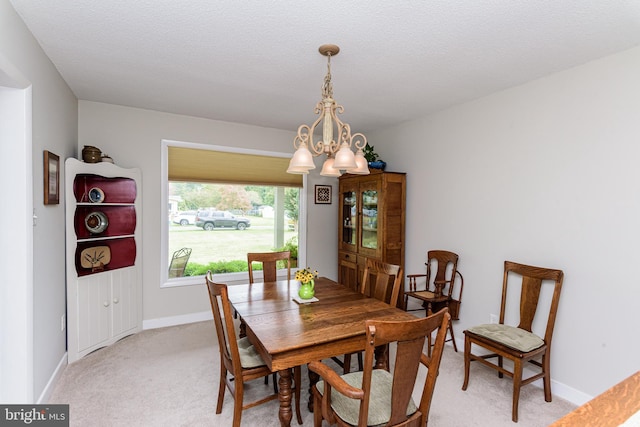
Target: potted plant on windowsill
pixel 372 158
pixel 291 245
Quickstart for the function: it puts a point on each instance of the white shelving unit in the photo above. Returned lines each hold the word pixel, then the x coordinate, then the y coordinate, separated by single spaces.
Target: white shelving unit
pixel 103 253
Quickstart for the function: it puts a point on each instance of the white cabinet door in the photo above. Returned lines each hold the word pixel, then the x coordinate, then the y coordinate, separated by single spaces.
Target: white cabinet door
pixel 94 310
pixel 124 300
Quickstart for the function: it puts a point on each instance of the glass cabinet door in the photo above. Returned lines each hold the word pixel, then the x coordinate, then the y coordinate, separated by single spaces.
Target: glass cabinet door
pixel 369 219
pixel 349 217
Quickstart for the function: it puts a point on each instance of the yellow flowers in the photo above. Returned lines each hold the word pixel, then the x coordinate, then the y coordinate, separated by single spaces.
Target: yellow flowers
pixel 306 275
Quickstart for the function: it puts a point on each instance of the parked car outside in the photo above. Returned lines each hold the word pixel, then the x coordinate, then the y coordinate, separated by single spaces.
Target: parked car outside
pixel 184 218
pixel 208 220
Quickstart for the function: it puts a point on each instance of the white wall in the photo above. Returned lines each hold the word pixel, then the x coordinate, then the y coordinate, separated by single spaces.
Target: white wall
pixel 51 126
pixel 132 137
pixel 544 174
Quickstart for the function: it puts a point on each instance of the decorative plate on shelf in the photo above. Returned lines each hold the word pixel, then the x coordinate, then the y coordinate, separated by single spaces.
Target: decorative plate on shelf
pixel 96 222
pixel 96 195
pixel 96 256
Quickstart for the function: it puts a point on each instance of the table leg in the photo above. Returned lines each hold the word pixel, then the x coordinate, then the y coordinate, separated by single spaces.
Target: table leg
pixel 284 394
pixel 242 329
pixel 382 357
pixel 313 379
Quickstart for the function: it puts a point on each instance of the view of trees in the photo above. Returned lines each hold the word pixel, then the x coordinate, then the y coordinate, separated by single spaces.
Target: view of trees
pixel 231 197
pixel 224 250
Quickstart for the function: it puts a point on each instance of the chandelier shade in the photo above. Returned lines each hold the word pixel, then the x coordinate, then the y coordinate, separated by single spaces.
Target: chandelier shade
pixel 345 159
pixel 362 164
pixel 340 152
pixel 328 168
pixel 297 170
pixel 302 160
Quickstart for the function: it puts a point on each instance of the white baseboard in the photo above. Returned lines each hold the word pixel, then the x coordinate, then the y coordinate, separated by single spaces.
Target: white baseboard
pixel 569 394
pixel 48 389
pixel 177 320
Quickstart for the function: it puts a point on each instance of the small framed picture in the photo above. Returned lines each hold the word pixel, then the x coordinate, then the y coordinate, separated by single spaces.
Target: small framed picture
pixel 323 194
pixel 51 178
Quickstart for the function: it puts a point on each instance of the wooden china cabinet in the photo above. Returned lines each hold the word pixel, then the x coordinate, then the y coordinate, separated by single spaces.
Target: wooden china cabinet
pixel 371 222
pixel 103 245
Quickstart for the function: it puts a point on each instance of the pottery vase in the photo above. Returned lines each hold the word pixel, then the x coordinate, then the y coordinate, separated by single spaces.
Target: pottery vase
pixel 91 154
pixel 378 164
pixel 307 290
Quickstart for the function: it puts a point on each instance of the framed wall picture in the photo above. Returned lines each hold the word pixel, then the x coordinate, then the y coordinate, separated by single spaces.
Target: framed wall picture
pixel 51 178
pixel 323 194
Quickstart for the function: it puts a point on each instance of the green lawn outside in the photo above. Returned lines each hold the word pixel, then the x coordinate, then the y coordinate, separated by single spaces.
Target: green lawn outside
pixel 224 244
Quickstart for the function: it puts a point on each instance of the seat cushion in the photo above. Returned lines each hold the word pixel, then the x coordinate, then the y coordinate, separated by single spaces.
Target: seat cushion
pixel 428 296
pixel 379 400
pixel 510 336
pixel 424 294
pixel 249 357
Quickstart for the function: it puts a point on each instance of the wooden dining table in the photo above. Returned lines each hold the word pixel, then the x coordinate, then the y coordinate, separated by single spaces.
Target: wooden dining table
pixel 288 334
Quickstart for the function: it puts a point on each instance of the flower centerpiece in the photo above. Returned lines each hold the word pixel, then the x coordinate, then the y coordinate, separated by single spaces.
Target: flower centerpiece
pixel 306 277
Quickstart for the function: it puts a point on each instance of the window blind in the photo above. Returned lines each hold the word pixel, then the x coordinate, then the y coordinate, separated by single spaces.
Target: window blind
pixel 194 165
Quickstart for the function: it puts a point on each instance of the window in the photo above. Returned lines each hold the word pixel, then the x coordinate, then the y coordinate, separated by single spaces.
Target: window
pixel 235 212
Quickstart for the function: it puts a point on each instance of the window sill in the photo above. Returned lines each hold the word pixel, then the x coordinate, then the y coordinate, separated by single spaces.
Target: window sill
pixel 226 278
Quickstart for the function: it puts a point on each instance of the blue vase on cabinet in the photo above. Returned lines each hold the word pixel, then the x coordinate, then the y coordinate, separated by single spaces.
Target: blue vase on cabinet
pixel 378 164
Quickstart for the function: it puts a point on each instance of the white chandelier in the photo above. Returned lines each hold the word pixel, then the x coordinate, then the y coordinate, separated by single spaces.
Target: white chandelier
pixel 339 152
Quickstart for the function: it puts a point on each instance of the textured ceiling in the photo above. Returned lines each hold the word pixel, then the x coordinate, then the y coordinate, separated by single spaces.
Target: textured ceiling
pixel 257 61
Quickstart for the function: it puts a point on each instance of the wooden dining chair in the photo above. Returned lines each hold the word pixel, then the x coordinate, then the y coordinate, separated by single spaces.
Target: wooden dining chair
pixel 518 343
pixel 269 262
pixel 385 287
pixel 438 290
pixel 239 358
pixel 375 397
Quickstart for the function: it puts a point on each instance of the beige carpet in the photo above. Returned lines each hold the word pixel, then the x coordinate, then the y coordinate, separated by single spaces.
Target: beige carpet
pixel 169 377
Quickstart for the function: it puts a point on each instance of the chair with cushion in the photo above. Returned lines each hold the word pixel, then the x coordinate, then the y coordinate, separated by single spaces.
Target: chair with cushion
pixel 179 262
pixel 375 397
pixel 518 343
pixel 269 262
pixel 438 291
pixel 385 287
pixel 239 358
